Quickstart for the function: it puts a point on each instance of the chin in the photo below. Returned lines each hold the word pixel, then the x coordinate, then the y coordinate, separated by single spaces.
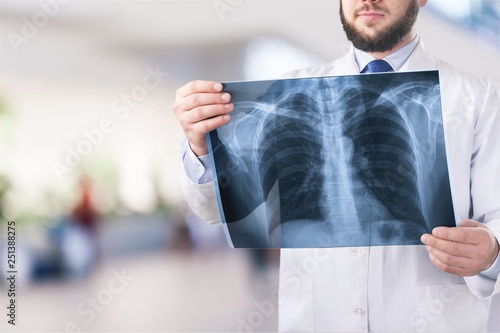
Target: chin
pixel 372 35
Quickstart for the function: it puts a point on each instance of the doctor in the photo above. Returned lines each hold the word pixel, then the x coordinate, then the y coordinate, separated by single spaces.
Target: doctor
pixel 445 285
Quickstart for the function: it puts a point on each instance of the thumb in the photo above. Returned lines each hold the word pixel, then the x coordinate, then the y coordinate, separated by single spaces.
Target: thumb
pixel 470 224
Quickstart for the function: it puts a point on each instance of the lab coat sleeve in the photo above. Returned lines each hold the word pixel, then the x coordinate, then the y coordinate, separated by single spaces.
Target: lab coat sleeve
pixel 201 198
pixel 485 182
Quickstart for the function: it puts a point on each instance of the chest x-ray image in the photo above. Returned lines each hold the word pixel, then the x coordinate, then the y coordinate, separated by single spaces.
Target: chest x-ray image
pixel 333 161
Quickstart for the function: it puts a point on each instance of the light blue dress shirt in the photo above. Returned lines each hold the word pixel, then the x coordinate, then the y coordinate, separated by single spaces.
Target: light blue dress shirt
pixel 396 59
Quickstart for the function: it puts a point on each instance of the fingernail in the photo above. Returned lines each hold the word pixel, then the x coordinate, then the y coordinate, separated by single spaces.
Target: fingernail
pixel 218 87
pixel 226 97
pixel 229 107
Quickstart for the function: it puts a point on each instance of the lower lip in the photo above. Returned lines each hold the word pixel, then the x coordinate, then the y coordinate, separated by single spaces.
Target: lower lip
pixel 371 17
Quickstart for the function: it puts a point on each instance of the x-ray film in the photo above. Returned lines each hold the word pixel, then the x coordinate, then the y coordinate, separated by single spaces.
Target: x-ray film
pixel 333 161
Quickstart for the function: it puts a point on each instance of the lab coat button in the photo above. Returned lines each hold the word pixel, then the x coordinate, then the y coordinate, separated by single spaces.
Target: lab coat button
pixel 360 252
pixel 359 312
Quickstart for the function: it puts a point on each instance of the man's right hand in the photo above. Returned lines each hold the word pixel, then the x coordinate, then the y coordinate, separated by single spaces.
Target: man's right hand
pixel 201 107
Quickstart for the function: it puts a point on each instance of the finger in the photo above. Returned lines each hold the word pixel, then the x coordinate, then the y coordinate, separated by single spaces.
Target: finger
pixel 448 269
pixel 207 111
pixel 195 100
pixel 449 259
pixel 199 86
pixel 208 125
pixel 460 234
pixel 425 238
pixel 453 248
pixel 470 223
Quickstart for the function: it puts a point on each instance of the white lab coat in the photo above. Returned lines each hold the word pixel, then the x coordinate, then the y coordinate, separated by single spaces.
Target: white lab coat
pixel 397 288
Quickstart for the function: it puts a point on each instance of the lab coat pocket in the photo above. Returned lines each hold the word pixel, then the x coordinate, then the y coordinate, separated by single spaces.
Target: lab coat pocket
pixel 297 307
pixel 449 308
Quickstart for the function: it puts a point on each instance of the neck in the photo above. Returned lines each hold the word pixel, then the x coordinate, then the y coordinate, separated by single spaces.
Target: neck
pixel 408 38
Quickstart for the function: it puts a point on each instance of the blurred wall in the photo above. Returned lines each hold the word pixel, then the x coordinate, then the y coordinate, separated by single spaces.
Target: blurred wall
pixel 87 87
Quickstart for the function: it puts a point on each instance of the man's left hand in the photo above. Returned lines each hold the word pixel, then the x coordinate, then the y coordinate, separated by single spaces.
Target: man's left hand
pixel 467 250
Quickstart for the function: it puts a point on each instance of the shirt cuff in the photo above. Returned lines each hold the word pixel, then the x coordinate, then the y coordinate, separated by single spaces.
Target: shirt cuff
pixel 493 271
pixel 197 168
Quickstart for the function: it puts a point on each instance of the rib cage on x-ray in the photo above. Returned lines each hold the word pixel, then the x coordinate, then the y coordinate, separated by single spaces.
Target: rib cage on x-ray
pixel 296 147
pixel 344 161
pixel 385 158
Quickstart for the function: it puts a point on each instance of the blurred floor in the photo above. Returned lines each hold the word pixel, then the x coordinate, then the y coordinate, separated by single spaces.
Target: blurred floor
pixel 157 291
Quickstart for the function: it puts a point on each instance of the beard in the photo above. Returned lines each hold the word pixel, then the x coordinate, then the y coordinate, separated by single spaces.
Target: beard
pixel 384 40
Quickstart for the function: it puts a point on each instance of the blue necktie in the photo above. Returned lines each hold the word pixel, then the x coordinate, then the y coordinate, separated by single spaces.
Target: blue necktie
pixel 378 66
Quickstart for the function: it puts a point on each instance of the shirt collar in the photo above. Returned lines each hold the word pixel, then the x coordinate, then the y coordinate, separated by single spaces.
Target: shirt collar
pixel 396 59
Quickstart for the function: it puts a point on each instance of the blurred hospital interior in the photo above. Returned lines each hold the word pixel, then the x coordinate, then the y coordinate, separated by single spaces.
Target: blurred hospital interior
pixel 90 152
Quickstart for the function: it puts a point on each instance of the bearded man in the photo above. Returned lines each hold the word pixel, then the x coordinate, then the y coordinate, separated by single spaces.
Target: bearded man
pixel 444 286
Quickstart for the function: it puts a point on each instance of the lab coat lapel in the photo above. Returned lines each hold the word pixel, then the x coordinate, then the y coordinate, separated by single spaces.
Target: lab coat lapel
pixel 420 60
pixel 346 65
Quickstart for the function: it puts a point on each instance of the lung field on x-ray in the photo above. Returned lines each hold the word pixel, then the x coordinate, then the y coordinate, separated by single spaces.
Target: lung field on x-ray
pixel 297 149
pixel 335 161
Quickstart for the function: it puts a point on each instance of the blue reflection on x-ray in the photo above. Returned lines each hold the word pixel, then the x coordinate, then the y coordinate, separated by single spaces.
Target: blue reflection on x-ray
pixel 333 161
